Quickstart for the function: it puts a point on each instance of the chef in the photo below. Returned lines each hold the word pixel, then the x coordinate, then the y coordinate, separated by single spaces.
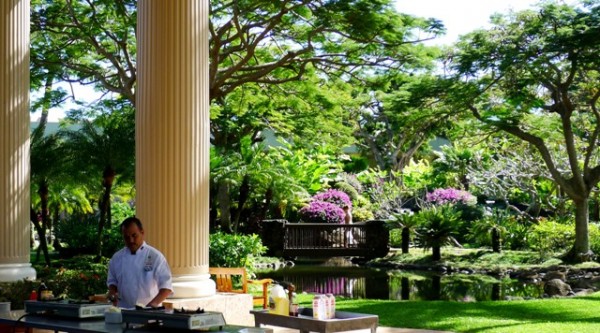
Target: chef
pixel 138 274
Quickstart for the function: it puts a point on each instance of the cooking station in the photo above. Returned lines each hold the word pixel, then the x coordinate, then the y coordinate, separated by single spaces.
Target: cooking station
pixel 88 317
pixel 68 308
pixel 176 319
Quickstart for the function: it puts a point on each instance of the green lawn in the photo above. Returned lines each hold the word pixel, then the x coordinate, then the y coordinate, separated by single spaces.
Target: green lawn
pixel 581 314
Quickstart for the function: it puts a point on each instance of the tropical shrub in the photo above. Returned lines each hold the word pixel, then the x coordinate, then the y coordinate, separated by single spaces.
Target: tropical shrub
pixel 362 209
pixel 396 238
pixel 78 235
pixel 335 197
pixel 120 210
pixel 385 195
pixel 348 189
pixel 350 179
pixel 491 229
pixel 403 225
pixel 416 176
pixel 77 277
pixel 360 214
pixel 356 164
pixel 234 250
pixel 322 212
pixel 438 226
pixel 443 196
pixel 16 292
pixel 79 284
pixel 113 240
pixel 594 230
pixel 549 236
pixel 518 234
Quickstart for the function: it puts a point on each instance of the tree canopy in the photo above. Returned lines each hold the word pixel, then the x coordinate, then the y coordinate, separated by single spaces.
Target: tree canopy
pixel 534 74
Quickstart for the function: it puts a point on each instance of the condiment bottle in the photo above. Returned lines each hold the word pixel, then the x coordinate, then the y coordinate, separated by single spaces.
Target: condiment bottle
pixel 281 304
pixel 326 307
pixel 42 292
pixel 316 306
pixel 294 305
pixel 331 306
pixel 319 309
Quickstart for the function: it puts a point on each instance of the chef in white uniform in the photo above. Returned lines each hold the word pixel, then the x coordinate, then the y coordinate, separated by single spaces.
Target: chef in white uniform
pixel 138 274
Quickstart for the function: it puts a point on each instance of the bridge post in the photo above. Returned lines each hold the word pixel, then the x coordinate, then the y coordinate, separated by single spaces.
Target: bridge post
pixel 272 235
pixel 378 238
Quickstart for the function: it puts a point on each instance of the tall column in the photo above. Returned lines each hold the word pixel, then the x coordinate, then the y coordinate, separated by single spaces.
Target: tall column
pixel 172 138
pixel 14 141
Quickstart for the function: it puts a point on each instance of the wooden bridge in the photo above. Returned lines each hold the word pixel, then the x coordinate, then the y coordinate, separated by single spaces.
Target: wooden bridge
pixel 284 239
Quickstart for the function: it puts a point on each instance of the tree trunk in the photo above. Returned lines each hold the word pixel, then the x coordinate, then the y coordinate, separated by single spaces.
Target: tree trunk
pixel 580 251
pixel 104 204
pixel 436 253
pixel 496 291
pixel 405 293
pixel 496 247
pixel 56 242
pixel 244 193
pixel 267 204
pixel 405 239
pixel 43 193
pixel 436 287
pixel 224 206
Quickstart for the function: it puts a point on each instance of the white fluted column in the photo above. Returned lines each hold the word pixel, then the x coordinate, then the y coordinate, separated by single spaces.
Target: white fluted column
pixel 172 138
pixel 14 141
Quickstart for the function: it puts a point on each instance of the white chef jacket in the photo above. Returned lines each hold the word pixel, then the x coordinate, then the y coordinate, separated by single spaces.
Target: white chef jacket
pixel 138 276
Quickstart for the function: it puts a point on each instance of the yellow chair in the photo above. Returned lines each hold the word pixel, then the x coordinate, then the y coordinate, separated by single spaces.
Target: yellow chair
pixel 225 283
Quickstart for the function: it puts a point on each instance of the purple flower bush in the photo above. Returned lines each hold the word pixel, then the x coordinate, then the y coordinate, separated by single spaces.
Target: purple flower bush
pixel 443 196
pixel 321 211
pixel 335 197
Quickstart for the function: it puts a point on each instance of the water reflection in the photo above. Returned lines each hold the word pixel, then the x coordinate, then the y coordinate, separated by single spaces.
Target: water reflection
pixel 356 282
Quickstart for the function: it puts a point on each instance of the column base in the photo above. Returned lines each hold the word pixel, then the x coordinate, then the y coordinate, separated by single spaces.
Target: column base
pixel 16 272
pixel 193 286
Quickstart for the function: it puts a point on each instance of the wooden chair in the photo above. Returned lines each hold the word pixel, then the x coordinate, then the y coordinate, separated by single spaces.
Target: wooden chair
pixel 224 278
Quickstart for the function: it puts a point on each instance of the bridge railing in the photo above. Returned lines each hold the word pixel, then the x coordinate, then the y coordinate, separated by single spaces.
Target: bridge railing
pixel 364 239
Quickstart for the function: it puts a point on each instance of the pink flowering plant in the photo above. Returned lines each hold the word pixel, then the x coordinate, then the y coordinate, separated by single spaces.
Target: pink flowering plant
pixel 321 211
pixel 443 196
pixel 335 197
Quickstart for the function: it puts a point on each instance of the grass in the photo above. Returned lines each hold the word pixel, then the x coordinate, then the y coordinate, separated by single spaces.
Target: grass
pixel 574 314
pixel 578 314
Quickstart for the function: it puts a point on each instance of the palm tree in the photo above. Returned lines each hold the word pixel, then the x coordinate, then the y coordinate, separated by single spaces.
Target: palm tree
pixel 106 148
pixel 437 227
pixel 408 222
pixel 45 168
pixel 494 223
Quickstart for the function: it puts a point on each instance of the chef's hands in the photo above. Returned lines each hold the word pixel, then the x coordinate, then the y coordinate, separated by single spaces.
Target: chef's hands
pixel 159 298
pixel 113 297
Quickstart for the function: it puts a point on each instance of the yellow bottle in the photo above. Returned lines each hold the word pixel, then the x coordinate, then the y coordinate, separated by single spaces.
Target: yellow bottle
pixel 281 304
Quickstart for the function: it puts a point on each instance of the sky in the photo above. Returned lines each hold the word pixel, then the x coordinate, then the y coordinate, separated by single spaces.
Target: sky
pixel 459 17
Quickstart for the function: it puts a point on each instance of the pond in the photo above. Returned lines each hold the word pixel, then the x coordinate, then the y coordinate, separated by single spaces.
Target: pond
pixel 343 279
